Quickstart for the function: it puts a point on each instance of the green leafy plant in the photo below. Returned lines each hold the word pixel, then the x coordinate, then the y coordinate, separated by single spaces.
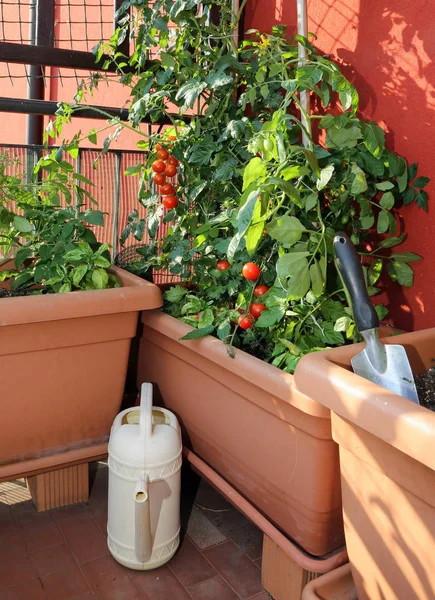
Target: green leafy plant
pixel 247 191
pixel 54 248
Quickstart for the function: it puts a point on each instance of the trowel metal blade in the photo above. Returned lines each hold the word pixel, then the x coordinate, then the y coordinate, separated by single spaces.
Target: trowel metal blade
pixel 397 377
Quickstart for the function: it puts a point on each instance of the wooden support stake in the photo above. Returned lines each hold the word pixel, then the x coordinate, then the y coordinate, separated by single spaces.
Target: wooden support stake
pixel 281 576
pixel 58 488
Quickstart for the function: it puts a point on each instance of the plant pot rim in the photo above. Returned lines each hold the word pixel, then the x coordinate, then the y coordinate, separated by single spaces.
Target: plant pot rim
pixel 135 294
pixel 244 365
pixel 327 377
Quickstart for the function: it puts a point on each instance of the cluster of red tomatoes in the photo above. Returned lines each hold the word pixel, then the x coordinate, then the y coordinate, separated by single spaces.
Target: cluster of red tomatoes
pixel 251 272
pixel 165 167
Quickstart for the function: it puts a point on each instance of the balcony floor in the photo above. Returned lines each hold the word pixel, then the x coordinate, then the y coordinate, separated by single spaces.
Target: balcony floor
pixel 62 554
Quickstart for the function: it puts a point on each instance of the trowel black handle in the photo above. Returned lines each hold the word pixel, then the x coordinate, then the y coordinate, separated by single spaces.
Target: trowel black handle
pixel 349 265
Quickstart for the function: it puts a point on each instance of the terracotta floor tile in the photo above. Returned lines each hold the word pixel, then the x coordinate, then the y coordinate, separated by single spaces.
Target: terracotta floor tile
pixel 213 589
pixel 189 566
pixel 263 596
pixel 83 536
pixel 236 568
pixel 31 590
pixel 109 580
pixel 258 563
pixel 26 514
pixel 41 535
pixel 15 564
pixel 59 573
pixel 7 522
pixel 99 514
pixel 71 510
pixel 247 537
pixel 159 584
pixel 85 596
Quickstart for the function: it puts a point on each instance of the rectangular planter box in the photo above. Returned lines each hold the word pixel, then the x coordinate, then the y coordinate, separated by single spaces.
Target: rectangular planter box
pixel 63 360
pixel 387 460
pixel 246 419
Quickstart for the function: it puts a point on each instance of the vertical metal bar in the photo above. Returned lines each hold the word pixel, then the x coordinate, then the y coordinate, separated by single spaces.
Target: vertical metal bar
pixel 116 191
pixel 235 5
pixel 45 23
pixel 35 87
pixel 302 51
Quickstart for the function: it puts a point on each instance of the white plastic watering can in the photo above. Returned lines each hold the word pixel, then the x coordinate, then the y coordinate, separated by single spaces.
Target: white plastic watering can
pixel 143 527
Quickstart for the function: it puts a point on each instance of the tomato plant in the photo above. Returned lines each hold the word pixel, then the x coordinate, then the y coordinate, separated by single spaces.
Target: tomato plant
pixel 159 179
pixel 222 265
pixel 245 322
pixel 158 166
pixel 162 154
pixel 167 189
pixel 255 192
pixel 170 170
pixel 256 309
pixel 251 271
pixel 169 201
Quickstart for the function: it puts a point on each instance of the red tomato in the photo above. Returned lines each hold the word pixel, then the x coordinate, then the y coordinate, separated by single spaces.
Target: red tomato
pixel 222 265
pixel 260 290
pixel 173 161
pixel 256 309
pixel 158 166
pixel 159 147
pixel 170 170
pixel 167 190
pixel 251 271
pixel 171 138
pixel 169 201
pixel 246 322
pixel 162 154
pixel 159 179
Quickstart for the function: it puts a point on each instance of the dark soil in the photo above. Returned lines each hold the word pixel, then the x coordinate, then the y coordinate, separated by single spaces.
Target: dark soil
pixel 425 384
pixel 4 293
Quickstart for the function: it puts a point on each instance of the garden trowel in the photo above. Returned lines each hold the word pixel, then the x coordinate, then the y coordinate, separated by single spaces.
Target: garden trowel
pixel 385 364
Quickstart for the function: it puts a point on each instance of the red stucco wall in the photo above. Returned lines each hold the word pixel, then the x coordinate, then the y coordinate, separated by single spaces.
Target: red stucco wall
pixel 387 48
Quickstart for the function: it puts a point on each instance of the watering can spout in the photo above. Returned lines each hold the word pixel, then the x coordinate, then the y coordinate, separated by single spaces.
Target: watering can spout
pixel 143 545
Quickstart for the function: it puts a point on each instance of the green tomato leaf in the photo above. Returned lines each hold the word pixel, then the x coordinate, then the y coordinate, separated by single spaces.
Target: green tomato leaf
pixel 270 316
pixel 198 333
pixel 383 221
pixel 406 257
pixel 206 318
pixel 325 177
pixel 384 186
pixel 224 330
pixel 359 184
pixel 22 224
pixel 390 242
pixel 287 230
pixel 401 272
pixel 300 281
pixel 387 201
pixel 93 217
pixel 317 280
pixel 254 170
pixel 342 324
pixel 290 263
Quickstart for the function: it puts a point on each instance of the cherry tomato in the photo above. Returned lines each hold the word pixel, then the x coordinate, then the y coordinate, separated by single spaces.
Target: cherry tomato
pixel 169 201
pixel 173 161
pixel 167 190
pixel 260 290
pixel 158 166
pixel 251 271
pixel 171 138
pixel 246 322
pixel 256 309
pixel 222 265
pixel 170 170
pixel 162 154
pixel 159 179
pixel 159 147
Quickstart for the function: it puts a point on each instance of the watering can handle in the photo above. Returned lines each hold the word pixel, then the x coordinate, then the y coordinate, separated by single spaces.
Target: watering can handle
pixel 146 411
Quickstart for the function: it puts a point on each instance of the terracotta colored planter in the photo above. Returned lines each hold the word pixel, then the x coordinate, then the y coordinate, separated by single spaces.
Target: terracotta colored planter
pixel 63 360
pixel 387 459
pixel 336 585
pixel 246 419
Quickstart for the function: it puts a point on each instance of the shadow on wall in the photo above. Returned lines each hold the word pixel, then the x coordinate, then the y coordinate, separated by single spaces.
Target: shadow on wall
pixel 387 49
